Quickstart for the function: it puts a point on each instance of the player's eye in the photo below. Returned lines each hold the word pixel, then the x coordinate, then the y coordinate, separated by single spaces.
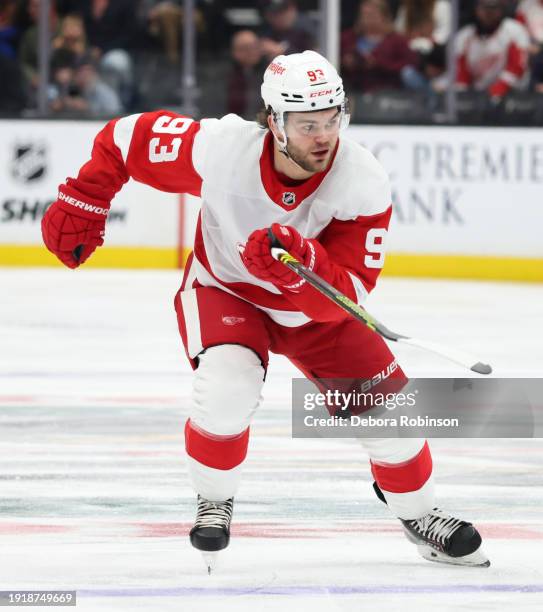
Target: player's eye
pixel 307 129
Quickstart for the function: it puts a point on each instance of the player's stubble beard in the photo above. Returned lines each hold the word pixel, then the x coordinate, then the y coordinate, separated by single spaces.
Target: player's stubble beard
pixel 303 158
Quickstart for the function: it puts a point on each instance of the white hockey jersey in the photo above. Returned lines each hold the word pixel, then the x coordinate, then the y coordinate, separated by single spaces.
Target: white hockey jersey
pixel 228 162
pixel 496 63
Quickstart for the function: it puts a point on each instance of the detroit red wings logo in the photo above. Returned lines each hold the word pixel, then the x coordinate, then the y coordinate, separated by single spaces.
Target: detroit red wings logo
pixel 229 320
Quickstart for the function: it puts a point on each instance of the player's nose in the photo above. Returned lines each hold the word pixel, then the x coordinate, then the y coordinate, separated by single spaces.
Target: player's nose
pixel 321 140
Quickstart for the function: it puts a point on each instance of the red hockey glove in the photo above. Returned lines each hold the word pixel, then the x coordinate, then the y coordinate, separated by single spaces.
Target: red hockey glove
pixel 74 226
pixel 260 263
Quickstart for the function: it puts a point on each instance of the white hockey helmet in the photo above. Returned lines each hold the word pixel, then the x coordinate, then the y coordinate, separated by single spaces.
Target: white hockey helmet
pixel 302 82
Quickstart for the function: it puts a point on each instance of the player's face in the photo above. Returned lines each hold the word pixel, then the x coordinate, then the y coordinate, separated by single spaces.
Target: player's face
pixel 312 138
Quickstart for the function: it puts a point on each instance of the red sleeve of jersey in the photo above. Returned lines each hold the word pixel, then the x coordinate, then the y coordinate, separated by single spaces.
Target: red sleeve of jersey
pixel 463 76
pixel 356 253
pixel 156 149
pixel 514 70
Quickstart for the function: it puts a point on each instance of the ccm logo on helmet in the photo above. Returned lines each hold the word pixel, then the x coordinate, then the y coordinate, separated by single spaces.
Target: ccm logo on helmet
pixel 325 92
pixel 276 68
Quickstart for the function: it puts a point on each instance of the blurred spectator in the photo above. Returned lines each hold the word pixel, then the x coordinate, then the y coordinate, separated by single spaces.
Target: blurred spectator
pixel 466 12
pixel 468 8
pixel 100 98
pixel 64 96
pixel 67 48
pixel 78 89
pixel 530 14
pixel 12 92
pixel 492 52
pixel 71 35
pixel 413 13
pixel 111 28
pixel 164 21
pixel 375 57
pixel 285 30
pixel 9 32
pixel 28 49
pixel 245 76
pixel 427 25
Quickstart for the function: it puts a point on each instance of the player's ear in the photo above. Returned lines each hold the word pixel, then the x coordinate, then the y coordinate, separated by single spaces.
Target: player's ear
pixel 271 123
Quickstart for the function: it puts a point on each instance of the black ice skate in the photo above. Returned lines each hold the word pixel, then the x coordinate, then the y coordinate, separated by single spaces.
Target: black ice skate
pixel 444 539
pixel 211 531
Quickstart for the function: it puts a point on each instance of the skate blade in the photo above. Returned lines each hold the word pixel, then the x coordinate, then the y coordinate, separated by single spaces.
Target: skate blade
pixel 475 559
pixel 211 561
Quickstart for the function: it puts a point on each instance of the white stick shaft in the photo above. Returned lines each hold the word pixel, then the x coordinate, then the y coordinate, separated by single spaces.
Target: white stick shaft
pixel 460 357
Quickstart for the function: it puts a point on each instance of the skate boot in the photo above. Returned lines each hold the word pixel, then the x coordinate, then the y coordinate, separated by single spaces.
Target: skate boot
pixel 442 538
pixel 211 531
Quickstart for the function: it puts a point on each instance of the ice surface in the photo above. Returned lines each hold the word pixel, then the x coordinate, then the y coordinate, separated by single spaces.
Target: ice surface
pixel 94 495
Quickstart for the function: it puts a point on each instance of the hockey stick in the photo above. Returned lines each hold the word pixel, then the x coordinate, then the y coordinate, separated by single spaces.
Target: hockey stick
pixel 459 357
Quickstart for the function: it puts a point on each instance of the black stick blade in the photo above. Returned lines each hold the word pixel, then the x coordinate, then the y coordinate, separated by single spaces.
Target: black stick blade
pixel 77 252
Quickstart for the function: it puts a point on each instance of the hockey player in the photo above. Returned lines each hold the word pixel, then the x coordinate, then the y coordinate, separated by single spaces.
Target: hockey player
pixel 328 201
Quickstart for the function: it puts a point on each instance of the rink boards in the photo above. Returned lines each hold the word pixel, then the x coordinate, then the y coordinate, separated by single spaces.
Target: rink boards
pixel 466 200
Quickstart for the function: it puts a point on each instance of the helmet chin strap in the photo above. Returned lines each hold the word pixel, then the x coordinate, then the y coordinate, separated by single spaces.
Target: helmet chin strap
pixel 284 150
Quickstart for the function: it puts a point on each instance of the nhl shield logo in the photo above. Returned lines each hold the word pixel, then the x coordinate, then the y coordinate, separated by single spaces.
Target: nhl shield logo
pixel 289 198
pixel 29 162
